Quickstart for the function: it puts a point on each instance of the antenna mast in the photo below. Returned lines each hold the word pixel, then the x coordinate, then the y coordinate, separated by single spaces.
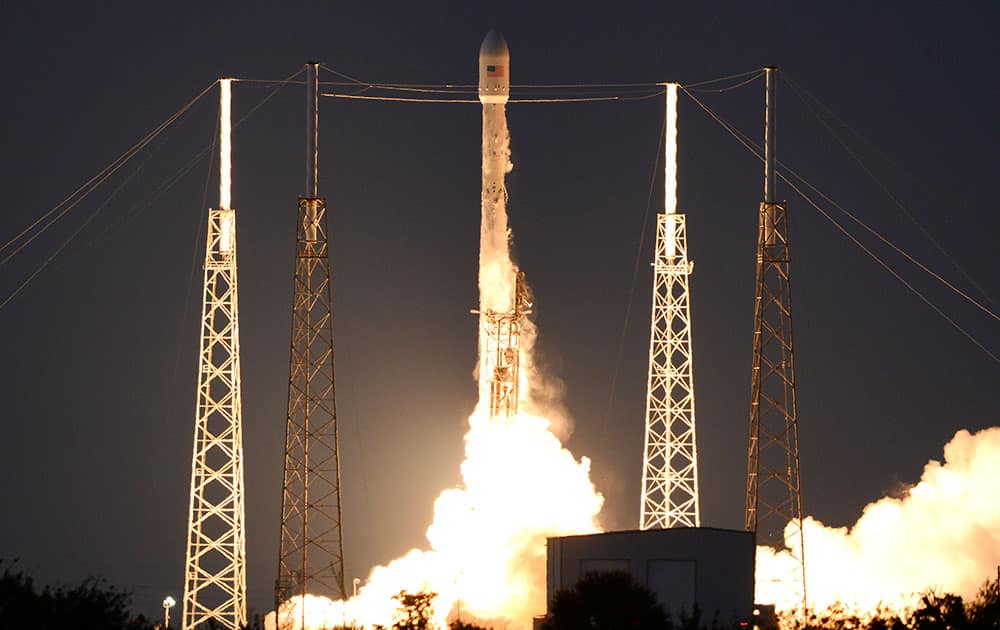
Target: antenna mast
pixel 774 491
pixel 215 566
pixel 670 459
pixel 311 550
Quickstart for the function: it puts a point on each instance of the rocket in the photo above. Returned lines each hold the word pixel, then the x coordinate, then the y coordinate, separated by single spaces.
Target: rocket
pixel 494 69
pixel 503 299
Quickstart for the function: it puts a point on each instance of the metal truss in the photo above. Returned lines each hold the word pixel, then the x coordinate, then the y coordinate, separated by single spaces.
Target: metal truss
pixel 215 567
pixel 774 491
pixel 311 551
pixel 501 354
pixel 670 460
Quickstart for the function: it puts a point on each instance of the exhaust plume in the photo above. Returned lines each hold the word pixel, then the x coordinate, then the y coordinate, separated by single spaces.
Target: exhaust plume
pixel 944 534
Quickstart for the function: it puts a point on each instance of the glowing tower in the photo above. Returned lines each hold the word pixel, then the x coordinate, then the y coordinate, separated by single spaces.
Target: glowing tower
pixel 311 550
pixel 774 492
pixel 670 459
pixel 215 566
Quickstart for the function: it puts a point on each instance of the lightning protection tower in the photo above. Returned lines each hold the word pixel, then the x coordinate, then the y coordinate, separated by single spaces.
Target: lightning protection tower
pixel 774 491
pixel 215 567
pixel 311 550
pixel 670 460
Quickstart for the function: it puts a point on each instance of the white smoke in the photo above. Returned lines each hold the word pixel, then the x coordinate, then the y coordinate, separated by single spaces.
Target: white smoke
pixel 486 555
pixel 944 534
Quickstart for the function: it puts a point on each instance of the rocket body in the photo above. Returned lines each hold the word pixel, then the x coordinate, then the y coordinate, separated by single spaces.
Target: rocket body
pixel 496 272
pixel 500 309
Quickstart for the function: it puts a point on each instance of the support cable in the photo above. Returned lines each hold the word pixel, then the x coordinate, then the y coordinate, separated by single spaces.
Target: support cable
pixel 194 250
pixel 886 266
pixel 730 88
pixel 470 87
pixel 403 99
pixel 756 150
pixel 802 93
pixel 452 88
pixel 635 277
pixel 171 181
pixel 66 242
pixel 894 247
pixel 755 71
pixel 80 193
pixel 164 186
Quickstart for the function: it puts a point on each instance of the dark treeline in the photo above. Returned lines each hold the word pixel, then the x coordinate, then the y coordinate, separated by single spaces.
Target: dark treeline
pixel 599 601
pixel 613 601
pixel 91 604
pixel 933 612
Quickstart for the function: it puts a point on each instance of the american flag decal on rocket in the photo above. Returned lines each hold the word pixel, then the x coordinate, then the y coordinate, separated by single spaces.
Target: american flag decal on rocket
pixel 494 71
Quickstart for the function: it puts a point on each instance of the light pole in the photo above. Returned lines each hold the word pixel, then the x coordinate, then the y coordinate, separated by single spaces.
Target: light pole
pixel 168 603
pixel 356 582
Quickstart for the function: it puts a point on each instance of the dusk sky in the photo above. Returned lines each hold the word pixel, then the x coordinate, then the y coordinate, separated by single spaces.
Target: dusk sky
pixel 100 349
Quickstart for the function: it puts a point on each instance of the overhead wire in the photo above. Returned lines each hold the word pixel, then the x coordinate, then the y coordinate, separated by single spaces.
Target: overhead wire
pixel 194 260
pixel 894 247
pixel 688 86
pixel 67 204
pixel 758 152
pixel 61 247
pixel 114 193
pixel 403 99
pixel 795 85
pixel 582 92
pixel 344 76
pixel 892 271
pixel 164 186
pixel 635 276
pixel 171 181
pixel 730 88
pixel 801 93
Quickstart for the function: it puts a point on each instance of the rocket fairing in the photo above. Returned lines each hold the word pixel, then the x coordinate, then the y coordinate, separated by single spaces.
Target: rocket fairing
pixel 494 69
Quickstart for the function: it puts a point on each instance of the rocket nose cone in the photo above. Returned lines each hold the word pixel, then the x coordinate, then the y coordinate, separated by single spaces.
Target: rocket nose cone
pixel 493 45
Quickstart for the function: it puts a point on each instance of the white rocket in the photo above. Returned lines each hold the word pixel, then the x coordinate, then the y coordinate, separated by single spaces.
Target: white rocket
pixel 494 90
pixel 503 298
pixel 494 69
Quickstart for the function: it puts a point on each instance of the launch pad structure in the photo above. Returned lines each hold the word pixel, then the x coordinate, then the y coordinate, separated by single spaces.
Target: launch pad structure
pixel 774 488
pixel 670 458
pixel 311 548
pixel 500 352
pixel 215 563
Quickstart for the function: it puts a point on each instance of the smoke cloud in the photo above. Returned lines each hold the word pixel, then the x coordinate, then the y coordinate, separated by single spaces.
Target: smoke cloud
pixel 943 534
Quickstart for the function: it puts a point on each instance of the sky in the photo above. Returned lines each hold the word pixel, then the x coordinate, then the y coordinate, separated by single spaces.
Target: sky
pixel 100 348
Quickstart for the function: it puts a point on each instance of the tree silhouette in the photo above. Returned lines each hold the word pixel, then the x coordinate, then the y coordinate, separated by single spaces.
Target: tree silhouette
pixel 92 604
pixel 984 612
pixel 933 612
pixel 939 612
pixel 606 601
pixel 416 610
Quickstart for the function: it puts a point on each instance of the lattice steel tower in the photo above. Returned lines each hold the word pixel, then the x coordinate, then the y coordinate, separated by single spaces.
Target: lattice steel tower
pixel 774 491
pixel 311 551
pixel 215 566
pixel 670 460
